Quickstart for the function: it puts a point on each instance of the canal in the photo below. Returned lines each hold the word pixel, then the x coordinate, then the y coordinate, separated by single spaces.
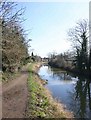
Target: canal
pixel 72 91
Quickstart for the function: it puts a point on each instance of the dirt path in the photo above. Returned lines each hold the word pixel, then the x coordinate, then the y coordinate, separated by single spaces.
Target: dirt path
pixel 14 96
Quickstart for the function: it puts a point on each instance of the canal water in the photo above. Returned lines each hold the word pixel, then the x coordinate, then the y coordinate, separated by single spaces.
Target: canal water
pixel 73 91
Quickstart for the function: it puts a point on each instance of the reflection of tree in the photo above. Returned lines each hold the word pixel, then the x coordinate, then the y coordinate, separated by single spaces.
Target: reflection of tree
pixel 62 75
pixel 89 94
pixel 81 98
pixel 81 92
pixel 57 73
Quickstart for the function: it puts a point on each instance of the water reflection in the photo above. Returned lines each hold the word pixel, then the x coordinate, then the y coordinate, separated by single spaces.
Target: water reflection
pixel 81 98
pixel 73 91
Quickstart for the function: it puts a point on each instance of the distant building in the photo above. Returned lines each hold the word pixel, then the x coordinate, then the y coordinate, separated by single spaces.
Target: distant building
pixel 45 59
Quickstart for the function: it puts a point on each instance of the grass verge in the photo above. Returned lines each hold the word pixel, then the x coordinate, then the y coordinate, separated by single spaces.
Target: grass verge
pixel 8 76
pixel 40 103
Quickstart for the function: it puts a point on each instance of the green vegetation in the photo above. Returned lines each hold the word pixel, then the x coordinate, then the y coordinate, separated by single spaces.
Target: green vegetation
pixel 9 76
pixel 14 40
pixel 78 59
pixel 41 103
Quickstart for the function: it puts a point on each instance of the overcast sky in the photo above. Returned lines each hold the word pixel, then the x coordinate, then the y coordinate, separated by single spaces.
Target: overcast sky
pixel 49 22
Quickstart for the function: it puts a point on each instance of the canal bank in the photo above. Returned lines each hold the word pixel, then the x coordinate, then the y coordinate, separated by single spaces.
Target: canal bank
pixel 85 73
pixel 71 90
pixel 40 101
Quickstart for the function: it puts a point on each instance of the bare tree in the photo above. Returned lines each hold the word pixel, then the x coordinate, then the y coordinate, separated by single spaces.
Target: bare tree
pixel 79 36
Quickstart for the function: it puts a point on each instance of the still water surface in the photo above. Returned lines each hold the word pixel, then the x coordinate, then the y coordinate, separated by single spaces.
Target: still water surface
pixel 73 91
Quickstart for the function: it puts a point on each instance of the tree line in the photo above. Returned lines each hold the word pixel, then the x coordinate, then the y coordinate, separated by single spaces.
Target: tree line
pixel 79 59
pixel 14 41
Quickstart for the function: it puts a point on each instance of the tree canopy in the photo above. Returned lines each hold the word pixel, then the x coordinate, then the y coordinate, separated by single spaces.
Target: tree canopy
pixel 14 42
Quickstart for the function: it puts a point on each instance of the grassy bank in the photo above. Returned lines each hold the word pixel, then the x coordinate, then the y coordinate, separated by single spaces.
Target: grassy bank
pixel 41 104
pixel 7 76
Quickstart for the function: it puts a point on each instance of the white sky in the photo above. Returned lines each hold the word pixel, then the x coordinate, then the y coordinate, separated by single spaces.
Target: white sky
pixel 49 23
